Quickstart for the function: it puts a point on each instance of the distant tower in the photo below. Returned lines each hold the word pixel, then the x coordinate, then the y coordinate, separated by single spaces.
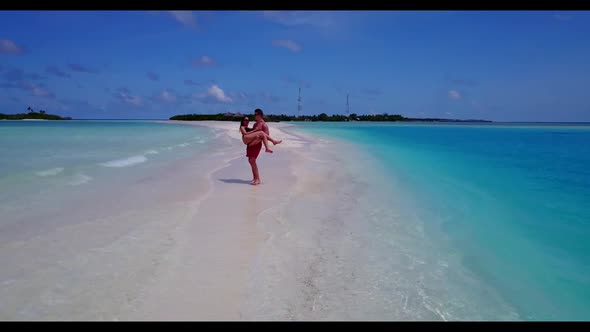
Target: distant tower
pixel 299 107
pixel 347 106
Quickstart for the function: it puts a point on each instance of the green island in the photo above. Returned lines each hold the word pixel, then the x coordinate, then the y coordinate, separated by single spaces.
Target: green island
pixel 322 117
pixel 32 115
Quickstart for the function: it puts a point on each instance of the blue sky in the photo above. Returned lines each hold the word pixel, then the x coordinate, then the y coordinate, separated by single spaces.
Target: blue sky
pixel 497 65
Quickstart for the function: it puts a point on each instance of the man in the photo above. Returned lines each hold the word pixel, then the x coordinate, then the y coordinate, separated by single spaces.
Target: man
pixel 252 151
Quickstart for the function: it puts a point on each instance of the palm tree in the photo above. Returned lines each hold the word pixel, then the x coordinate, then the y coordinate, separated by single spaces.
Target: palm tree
pixel 42 111
pixel 30 109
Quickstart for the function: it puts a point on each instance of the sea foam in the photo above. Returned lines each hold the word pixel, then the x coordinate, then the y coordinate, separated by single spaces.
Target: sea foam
pixel 126 162
pixel 79 179
pixel 50 172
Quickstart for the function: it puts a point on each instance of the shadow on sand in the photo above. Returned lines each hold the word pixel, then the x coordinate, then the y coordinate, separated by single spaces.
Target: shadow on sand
pixel 235 181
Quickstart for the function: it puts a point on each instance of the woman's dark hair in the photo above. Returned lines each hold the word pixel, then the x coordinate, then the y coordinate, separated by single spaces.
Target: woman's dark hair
pixel 243 120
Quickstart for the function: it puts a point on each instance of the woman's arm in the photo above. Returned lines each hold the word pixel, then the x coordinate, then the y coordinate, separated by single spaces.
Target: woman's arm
pixel 243 130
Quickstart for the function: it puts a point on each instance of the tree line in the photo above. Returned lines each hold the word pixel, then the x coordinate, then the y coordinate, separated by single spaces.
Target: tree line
pixel 313 118
pixel 41 115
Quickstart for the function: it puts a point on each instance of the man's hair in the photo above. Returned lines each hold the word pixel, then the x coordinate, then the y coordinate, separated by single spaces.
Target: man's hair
pixel 258 111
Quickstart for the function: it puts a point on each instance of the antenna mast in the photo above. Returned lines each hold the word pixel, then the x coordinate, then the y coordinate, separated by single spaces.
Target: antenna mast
pixel 347 106
pixel 299 107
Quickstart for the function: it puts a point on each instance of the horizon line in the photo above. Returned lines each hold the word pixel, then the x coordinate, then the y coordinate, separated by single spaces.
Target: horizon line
pixel 479 121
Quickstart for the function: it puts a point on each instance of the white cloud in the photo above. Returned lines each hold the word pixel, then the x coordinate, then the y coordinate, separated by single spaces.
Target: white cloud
pixel 167 96
pixel 36 90
pixel 204 61
pixel 454 94
pixel 218 94
pixel 9 47
pixel 185 17
pixel 125 97
pixel 214 95
pixel 240 97
pixel 288 44
pixel 293 18
pixel 40 92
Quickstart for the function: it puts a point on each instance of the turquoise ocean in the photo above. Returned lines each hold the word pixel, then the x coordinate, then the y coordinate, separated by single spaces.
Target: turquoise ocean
pixel 46 165
pixel 510 201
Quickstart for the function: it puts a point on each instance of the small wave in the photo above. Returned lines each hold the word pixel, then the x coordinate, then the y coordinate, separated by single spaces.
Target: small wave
pixel 50 172
pixel 125 162
pixel 79 179
pixel 151 152
pixel 183 144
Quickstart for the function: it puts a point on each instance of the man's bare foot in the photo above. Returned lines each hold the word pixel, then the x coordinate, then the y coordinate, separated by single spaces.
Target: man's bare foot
pixel 254 182
pixel 268 150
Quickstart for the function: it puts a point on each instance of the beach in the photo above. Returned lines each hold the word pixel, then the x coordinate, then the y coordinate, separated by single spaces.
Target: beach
pixel 209 268
pixel 278 251
pixel 179 245
pixel 157 221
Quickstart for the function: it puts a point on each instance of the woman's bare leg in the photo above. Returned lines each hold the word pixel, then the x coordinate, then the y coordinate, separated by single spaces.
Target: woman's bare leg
pixel 274 141
pixel 265 142
pixel 255 141
pixel 261 137
pixel 249 139
pixel 252 137
pixel 257 137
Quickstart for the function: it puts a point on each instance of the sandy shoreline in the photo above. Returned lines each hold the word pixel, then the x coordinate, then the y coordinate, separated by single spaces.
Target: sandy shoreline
pixel 293 248
pixel 267 252
pixel 207 273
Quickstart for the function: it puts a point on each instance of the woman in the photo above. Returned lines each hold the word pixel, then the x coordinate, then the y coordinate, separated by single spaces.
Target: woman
pixel 254 136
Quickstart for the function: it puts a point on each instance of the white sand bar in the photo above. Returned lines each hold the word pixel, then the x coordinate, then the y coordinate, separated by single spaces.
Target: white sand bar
pixel 208 270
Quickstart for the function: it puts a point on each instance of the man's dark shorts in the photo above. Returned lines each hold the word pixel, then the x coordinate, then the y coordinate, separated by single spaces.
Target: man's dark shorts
pixel 253 150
